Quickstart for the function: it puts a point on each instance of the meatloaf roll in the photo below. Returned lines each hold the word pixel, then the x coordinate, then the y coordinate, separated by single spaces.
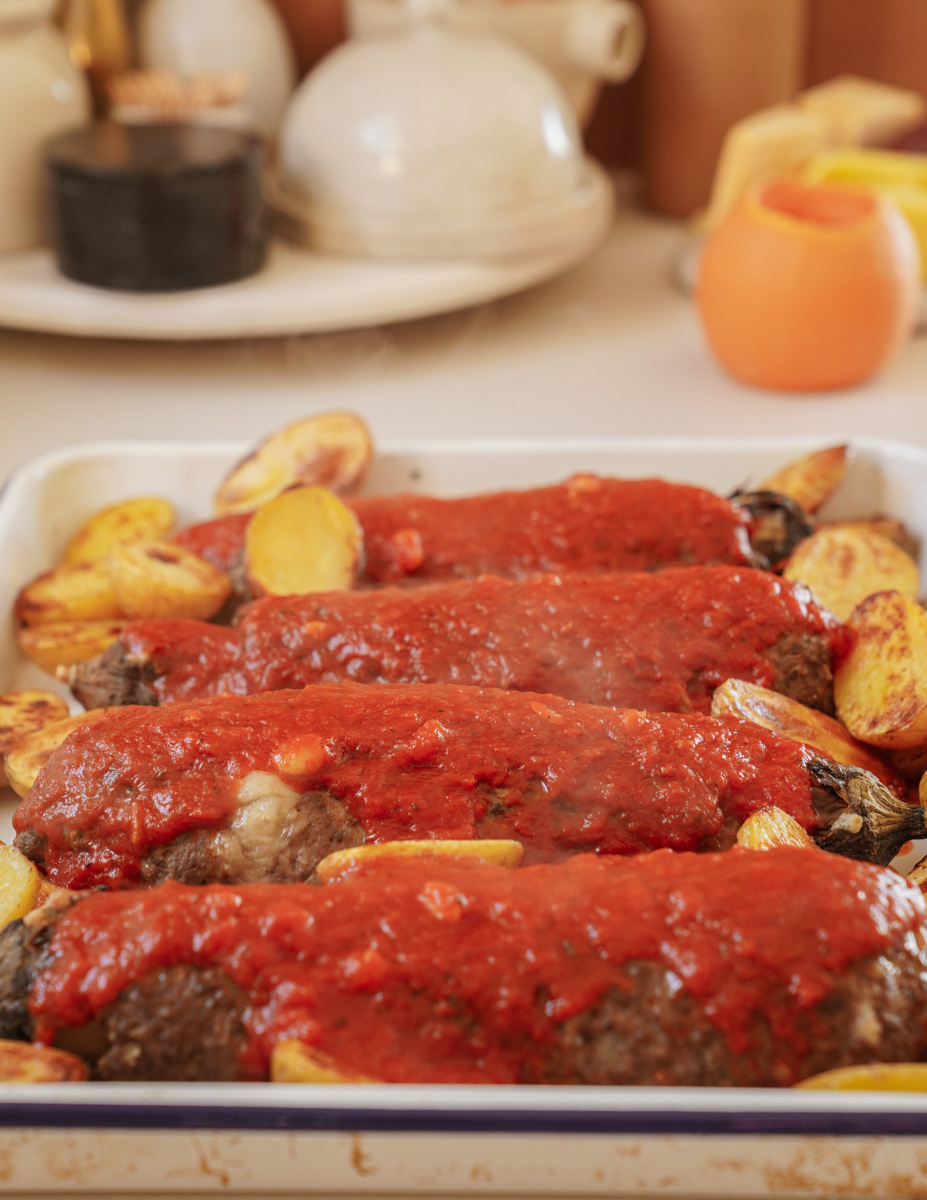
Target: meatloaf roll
pixel 585 525
pixel 734 969
pixel 240 789
pixel 660 641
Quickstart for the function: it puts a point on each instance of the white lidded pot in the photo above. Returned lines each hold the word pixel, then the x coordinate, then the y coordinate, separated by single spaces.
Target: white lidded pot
pixel 583 43
pixel 434 142
pixel 246 37
pixel 41 93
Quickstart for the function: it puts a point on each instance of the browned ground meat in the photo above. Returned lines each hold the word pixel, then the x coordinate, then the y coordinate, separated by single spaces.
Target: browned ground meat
pixel 185 1023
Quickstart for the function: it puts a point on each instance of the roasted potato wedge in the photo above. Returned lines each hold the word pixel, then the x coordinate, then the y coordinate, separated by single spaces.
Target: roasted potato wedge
pixel 887 527
pixel 294 1062
pixel 811 480
pixel 25 1062
pixel 910 764
pixel 22 713
pixel 880 687
pixel 496 852
pixel 789 718
pixel 843 566
pixel 20 885
pixel 142 519
pixel 332 450
pixel 871 1077
pixel 303 541
pixel 918 873
pixel 159 579
pixel 63 643
pixel 770 827
pixel 80 592
pixel 29 756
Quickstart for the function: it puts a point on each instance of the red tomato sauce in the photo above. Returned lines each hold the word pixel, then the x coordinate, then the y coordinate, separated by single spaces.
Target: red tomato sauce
pixel 421 970
pixel 585 525
pixel 411 762
pixel 658 641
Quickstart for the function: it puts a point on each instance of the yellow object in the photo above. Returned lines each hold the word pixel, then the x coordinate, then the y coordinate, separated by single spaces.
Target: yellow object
pixel 861 112
pixel 776 141
pixel 292 1062
pixel 19 885
pixel 494 852
pixel 136 520
pixel 876 1077
pixel 901 177
pixel 769 828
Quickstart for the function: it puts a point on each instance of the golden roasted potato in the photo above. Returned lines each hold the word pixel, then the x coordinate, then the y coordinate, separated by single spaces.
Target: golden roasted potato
pixel 843 566
pixel 880 687
pixel 293 1062
pixel 25 1062
pixel 25 760
pixel 910 764
pixel 918 873
pixel 811 480
pixel 65 642
pixel 142 519
pixel 332 450
pixel 20 885
pixel 496 852
pixel 22 713
pixel 81 592
pixel 871 1077
pixel 303 541
pixel 770 827
pixel 798 723
pixel 887 527
pixel 160 579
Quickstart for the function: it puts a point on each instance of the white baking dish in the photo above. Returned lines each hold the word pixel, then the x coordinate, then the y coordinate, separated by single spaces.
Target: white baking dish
pixel 474 1141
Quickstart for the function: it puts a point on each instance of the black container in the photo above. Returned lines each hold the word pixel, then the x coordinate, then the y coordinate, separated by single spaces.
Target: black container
pixel 154 208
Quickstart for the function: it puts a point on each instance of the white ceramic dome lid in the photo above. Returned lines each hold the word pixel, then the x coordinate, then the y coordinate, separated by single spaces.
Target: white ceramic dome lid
pixel 429 121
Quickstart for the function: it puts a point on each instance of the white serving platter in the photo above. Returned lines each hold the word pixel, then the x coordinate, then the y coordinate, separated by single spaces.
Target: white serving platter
pixel 297 291
pixel 363 1140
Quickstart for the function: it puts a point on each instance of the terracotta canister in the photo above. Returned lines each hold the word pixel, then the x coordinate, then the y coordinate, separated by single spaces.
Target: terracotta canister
pixel 707 64
pixel 886 41
pixel 41 93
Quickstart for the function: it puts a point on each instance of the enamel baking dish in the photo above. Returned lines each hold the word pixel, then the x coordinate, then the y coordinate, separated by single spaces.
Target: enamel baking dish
pixel 344 1140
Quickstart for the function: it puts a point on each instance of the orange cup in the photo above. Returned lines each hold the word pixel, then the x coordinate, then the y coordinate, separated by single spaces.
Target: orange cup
pixel 808 287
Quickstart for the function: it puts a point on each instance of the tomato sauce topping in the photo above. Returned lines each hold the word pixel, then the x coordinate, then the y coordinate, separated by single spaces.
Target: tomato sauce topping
pixel 411 761
pixel 424 970
pixel 585 525
pixel 658 641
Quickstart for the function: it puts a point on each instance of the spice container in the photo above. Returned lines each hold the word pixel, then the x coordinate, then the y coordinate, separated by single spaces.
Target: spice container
pixel 157 207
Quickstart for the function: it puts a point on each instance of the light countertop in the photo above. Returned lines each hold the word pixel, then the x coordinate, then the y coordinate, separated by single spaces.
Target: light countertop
pixel 611 347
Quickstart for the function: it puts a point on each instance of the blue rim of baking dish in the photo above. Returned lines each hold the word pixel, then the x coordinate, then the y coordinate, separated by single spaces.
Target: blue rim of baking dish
pixel 790 1113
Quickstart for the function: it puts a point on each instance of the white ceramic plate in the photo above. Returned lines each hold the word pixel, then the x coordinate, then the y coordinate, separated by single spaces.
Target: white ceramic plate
pixel 296 292
pixel 397 1141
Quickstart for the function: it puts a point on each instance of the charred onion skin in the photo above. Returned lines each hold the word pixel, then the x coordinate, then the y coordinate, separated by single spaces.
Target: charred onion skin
pixel 859 817
pixel 779 524
pixel 428 971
